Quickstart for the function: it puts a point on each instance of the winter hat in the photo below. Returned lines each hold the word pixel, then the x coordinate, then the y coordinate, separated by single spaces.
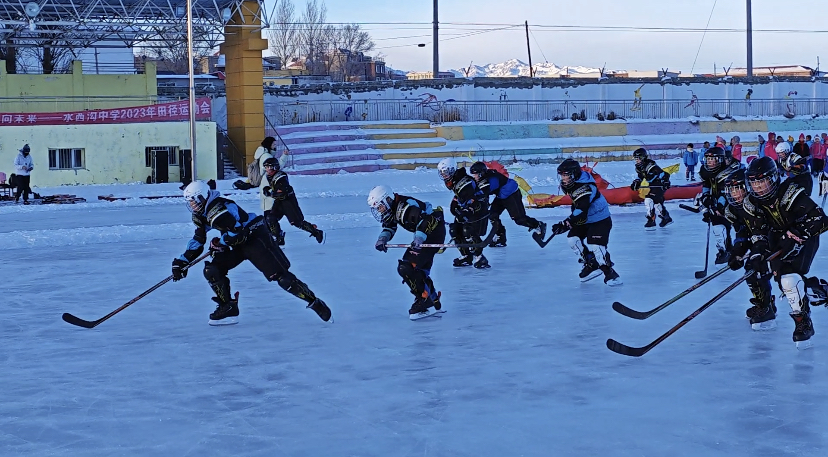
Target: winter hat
pixel 26 149
pixel 801 137
pixel 790 138
pixel 761 138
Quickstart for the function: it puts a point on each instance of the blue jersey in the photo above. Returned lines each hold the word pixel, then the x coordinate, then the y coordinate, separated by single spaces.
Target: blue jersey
pixel 588 205
pixel 223 215
pixel 495 183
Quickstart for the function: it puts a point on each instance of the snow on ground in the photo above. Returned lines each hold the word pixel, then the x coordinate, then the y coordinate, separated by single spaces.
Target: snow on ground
pixel 517 365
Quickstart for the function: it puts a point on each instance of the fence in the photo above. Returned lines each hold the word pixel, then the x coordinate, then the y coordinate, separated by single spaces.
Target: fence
pixel 56 104
pixel 287 113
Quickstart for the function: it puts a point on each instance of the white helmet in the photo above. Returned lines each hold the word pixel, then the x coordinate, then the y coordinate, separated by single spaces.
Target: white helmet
pixel 783 148
pixel 196 195
pixel 446 168
pixel 381 199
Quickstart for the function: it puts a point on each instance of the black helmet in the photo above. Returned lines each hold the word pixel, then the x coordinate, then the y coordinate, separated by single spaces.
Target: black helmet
pixel 762 178
pixel 570 168
pixel 641 154
pixel 734 188
pixel 715 155
pixel 478 168
pixel 271 163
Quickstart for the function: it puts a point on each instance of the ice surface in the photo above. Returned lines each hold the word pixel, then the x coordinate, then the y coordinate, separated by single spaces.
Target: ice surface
pixel 516 367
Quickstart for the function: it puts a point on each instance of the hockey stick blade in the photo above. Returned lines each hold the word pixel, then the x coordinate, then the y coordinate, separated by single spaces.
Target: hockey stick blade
pixel 692 209
pixel 546 241
pixel 641 315
pixel 623 349
pixel 701 274
pixel 74 320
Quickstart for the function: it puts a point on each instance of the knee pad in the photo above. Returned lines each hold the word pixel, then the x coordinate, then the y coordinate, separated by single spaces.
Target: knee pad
pixel 794 288
pixel 411 276
pixel 294 286
pixel 455 230
pixel 576 244
pixel 406 269
pixel 650 204
pixel 601 253
pixel 285 280
pixel 212 273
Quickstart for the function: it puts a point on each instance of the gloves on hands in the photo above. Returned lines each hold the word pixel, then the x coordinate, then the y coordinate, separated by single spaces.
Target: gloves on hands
pixel 666 184
pixel 708 201
pixel 759 264
pixel 561 227
pixel 735 262
pixel 266 191
pixel 216 246
pixel 636 184
pixel 381 243
pixel 419 239
pixel 791 243
pixel 179 269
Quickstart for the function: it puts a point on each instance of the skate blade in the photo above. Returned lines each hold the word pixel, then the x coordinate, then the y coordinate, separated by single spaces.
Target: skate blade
pixel 650 229
pixel 666 225
pixel 803 345
pixel 429 313
pixel 615 282
pixel 222 322
pixel 764 326
pixel 592 276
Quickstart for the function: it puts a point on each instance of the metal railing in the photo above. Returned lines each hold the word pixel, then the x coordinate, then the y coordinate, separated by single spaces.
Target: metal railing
pixel 281 147
pixel 300 112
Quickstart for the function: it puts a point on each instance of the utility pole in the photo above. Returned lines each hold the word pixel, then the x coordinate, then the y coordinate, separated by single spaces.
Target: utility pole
pixel 529 50
pixel 749 41
pixel 190 69
pixel 436 55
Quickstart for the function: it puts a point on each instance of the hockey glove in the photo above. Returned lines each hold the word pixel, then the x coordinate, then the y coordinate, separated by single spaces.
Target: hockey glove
pixel 666 184
pixel 267 191
pixel 759 264
pixel 179 269
pixel 216 246
pixel 419 239
pixel 636 184
pixel 791 244
pixel 381 244
pixel 708 201
pixel 561 227
pixel 735 262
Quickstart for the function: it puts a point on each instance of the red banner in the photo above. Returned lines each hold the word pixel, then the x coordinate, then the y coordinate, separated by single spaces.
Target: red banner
pixel 174 111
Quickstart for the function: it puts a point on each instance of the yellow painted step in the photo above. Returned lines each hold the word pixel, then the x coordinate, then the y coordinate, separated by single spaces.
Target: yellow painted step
pixel 401 135
pixel 420 155
pixel 420 144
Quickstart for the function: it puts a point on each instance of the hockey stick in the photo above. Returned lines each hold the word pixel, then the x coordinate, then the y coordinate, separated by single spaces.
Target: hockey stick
pixel 703 273
pixel 74 320
pixel 481 244
pixel 546 241
pixel 693 209
pixel 623 349
pixel 641 315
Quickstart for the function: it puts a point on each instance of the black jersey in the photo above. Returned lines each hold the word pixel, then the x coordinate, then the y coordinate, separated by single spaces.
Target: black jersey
pixel 412 215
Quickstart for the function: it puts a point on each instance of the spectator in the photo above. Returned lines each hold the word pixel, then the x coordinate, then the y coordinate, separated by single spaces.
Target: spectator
pixel 791 141
pixel 736 148
pixel 760 151
pixel 817 156
pixel 770 147
pixel 808 140
pixel 801 148
pixel 23 165
pixel 691 158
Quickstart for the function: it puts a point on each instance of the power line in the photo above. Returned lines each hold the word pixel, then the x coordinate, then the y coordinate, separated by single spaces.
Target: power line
pixel 703 35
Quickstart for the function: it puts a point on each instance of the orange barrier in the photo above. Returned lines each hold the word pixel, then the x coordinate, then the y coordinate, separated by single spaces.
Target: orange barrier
pixel 614 196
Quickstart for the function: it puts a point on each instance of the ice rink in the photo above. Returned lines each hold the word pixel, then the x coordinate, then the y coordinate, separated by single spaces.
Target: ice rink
pixel 516 367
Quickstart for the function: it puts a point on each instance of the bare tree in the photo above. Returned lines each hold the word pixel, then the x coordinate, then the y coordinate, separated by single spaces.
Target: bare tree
pixel 356 42
pixel 170 45
pixel 313 35
pixel 284 34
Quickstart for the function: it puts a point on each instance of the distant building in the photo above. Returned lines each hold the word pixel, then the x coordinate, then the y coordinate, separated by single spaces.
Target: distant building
pixel 781 70
pixel 428 75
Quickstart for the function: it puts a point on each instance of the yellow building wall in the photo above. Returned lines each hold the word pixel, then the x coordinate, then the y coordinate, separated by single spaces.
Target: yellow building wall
pixel 125 90
pixel 113 153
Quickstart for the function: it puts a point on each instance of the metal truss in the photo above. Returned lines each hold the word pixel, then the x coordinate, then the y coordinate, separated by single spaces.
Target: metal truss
pixel 119 23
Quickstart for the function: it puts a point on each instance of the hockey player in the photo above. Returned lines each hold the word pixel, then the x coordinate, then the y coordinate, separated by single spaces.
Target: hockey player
pixel 284 203
pixel 470 208
pixel 244 236
pixel 784 218
pixel 716 167
pixel 793 166
pixel 659 181
pixel 508 198
pixel 428 226
pixel 762 313
pixel 590 221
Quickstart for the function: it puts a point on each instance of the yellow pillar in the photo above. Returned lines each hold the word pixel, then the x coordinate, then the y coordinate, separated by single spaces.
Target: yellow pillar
pixel 242 51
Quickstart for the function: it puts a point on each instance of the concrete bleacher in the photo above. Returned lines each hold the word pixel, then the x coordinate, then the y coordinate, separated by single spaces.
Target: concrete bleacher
pixel 318 148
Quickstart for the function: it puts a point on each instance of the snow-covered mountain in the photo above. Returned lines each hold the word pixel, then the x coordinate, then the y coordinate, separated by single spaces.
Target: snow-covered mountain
pixel 515 67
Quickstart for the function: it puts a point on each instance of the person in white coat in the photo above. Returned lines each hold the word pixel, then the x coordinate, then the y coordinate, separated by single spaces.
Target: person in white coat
pixel 23 166
pixel 264 152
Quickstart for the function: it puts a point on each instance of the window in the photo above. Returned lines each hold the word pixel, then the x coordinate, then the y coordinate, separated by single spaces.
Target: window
pixel 172 154
pixel 66 159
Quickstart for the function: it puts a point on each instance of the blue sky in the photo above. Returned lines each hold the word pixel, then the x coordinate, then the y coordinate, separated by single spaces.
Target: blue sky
pixel 619 49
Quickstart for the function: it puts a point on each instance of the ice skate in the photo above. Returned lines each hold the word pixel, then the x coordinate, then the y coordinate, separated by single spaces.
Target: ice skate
pixel 318 234
pixel 651 222
pixel 464 261
pixel 665 219
pixel 498 242
pixel 722 256
pixel 226 313
pixel 321 309
pixel 591 268
pixel 762 317
pixel 611 278
pixel 803 331
pixel 480 262
pixel 424 307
